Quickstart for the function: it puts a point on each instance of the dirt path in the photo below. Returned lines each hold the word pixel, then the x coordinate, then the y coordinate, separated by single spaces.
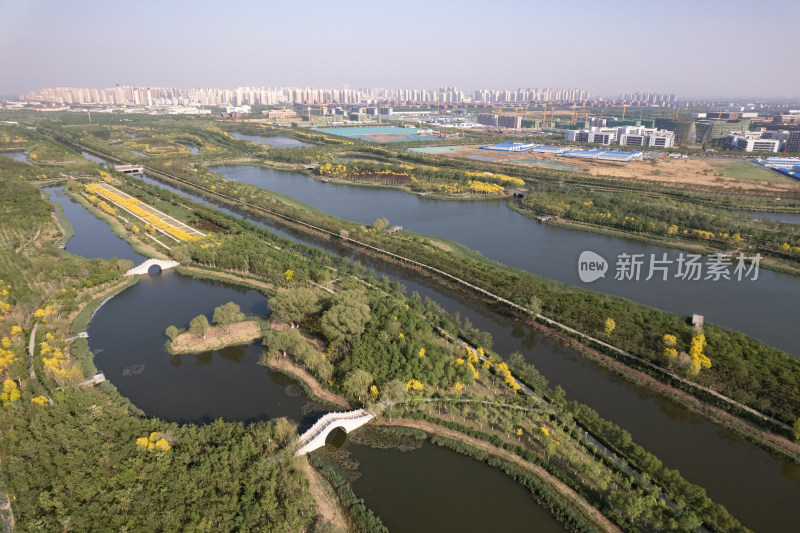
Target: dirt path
pixel 31 345
pixel 328 507
pixel 233 277
pixel 432 429
pixel 286 365
pixel 7 514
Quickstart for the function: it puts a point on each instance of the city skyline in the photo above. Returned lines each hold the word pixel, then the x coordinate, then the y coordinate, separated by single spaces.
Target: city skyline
pixel 688 48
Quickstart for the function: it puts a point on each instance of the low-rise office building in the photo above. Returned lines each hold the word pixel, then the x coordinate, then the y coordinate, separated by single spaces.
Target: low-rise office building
pixel 626 135
pixel 756 141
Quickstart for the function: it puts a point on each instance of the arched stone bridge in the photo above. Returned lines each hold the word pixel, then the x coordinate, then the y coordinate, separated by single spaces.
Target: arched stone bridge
pixel 144 267
pixel 316 435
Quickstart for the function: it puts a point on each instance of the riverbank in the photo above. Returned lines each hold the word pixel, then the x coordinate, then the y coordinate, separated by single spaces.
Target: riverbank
pixel 329 507
pixel 63 225
pixel 204 272
pixel 435 195
pixel 772 263
pixel 79 320
pixel 139 246
pixel 314 388
pixel 551 293
pixel 751 431
pixel 216 338
pixel 567 494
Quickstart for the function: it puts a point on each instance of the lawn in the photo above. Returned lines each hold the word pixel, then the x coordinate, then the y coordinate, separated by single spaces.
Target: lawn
pixel 746 171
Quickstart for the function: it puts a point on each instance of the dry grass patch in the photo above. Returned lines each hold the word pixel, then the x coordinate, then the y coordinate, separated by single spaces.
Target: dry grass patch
pixel 217 337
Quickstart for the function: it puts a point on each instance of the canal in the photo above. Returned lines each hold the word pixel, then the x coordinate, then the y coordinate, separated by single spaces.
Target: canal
pixel 757 487
pixel 499 233
pixel 127 339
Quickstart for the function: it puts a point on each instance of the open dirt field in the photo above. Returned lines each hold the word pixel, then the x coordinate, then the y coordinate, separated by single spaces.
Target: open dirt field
pixel 705 172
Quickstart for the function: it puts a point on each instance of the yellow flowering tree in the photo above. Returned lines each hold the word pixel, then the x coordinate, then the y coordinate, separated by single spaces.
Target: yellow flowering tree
pixel 414 385
pixel 10 392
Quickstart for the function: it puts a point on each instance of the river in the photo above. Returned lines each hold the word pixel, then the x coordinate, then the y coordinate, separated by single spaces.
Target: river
pixel 788 218
pixel 93 158
pixel 762 490
pixel 127 339
pixel 763 308
pixel 88 241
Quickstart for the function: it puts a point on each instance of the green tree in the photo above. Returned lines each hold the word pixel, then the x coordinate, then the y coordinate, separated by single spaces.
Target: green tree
pixel 227 314
pixel 380 224
pixel 357 382
pixel 172 332
pixel 797 429
pixel 629 505
pixel 199 325
pixel 688 521
pixel 394 391
pixel 345 320
pixel 285 431
pixel 294 305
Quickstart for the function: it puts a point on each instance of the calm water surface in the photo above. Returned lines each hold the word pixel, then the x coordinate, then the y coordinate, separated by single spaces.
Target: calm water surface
pixel 433 489
pixel 17 156
pixel 788 218
pixel 92 157
pixel 225 383
pixel 93 238
pixel 127 339
pixel 762 491
pixel 763 308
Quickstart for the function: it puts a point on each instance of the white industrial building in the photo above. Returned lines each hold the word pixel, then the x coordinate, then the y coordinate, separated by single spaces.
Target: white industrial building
pixel 757 141
pixel 641 136
pixel 595 135
pixel 626 135
pixel 238 109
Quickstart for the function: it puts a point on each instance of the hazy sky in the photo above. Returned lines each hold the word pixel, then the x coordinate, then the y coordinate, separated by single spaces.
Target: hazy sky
pixel 693 48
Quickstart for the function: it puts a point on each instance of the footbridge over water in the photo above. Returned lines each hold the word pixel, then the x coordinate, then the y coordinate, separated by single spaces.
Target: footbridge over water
pixel 317 434
pixel 145 267
pixel 129 169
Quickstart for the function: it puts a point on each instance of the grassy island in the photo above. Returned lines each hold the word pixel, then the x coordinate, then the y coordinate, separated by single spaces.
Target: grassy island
pixel 215 338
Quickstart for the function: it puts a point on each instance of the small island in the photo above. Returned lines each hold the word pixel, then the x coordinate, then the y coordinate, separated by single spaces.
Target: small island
pixel 230 328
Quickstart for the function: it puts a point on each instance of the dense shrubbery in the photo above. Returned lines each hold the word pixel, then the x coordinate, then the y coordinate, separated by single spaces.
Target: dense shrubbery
pixel 78 463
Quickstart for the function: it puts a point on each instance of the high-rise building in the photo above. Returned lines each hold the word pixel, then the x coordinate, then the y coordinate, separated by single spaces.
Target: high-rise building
pixel 793 142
